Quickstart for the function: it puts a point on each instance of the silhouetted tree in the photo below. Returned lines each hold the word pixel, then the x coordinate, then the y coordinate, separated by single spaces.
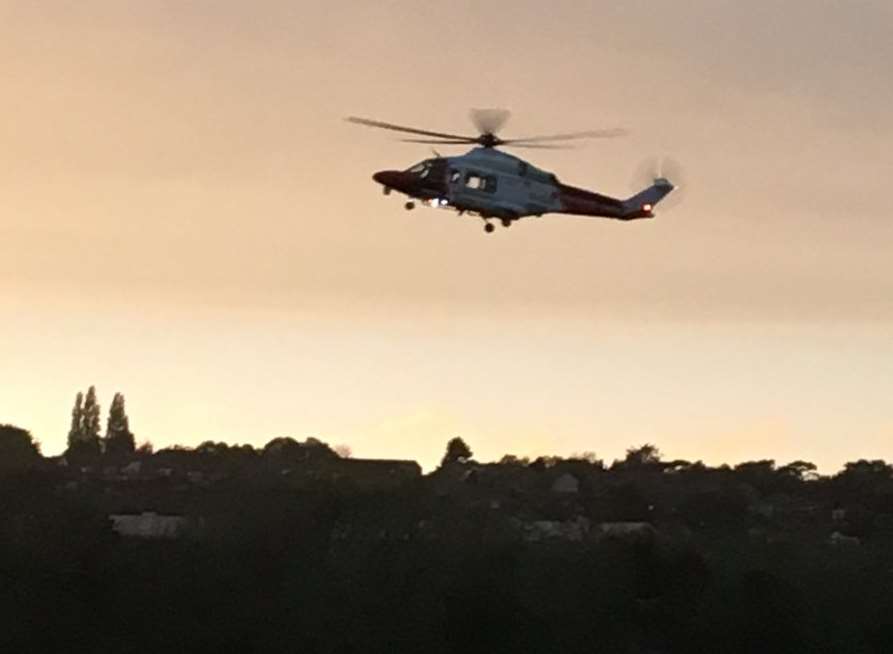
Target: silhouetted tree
pixel 759 474
pixel 91 424
pixel 864 471
pixel 457 451
pixel 223 458
pixel 288 450
pixel 18 452
pixel 77 420
pixel 799 470
pixel 318 451
pixel 645 456
pixel 83 437
pixel 119 440
pixel 589 457
pixel 512 460
pixel 869 482
pixel 542 463
pixel 212 449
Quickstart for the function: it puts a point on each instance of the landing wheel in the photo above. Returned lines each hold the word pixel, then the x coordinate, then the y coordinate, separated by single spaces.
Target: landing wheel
pixel 409 206
pixel 506 222
pixel 386 190
pixel 489 227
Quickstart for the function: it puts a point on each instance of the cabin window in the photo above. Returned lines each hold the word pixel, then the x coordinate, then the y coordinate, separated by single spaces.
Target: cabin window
pixel 422 169
pixel 478 182
pixel 455 176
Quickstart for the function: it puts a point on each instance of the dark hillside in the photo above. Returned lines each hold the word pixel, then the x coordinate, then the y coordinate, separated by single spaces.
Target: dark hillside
pixel 294 548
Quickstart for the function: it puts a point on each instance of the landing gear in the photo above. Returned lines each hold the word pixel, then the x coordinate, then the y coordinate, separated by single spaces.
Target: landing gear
pixel 489 227
pixel 506 222
pixel 386 190
pixel 409 205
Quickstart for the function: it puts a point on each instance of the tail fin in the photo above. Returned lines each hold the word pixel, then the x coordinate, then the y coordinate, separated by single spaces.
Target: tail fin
pixel 641 204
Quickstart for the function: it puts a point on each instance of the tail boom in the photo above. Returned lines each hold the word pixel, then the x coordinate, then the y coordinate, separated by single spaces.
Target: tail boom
pixel 580 202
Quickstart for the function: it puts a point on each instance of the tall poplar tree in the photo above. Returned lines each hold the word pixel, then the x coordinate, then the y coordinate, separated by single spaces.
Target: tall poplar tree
pixel 83 437
pixel 91 416
pixel 118 439
pixel 77 420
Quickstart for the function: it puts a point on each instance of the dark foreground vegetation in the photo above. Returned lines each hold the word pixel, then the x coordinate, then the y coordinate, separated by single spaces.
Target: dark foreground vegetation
pixel 293 548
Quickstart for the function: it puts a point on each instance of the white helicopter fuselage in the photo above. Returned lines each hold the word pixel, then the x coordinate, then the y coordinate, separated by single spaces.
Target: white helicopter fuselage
pixel 488 181
pixel 492 184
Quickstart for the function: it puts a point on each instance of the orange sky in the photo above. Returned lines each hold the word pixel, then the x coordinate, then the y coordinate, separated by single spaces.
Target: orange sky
pixel 184 217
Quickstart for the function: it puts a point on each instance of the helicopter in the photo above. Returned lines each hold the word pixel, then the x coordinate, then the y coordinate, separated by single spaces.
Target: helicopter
pixel 492 184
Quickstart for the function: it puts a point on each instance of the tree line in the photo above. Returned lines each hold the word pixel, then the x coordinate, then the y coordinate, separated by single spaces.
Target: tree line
pixel 334 568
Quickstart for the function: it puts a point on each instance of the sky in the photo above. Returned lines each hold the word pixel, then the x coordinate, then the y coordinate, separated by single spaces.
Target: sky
pixel 186 218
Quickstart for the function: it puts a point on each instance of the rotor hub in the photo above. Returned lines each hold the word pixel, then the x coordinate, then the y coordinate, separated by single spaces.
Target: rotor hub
pixel 489 140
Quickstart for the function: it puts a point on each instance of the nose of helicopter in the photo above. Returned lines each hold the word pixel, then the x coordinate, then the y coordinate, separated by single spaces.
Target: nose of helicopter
pixel 390 178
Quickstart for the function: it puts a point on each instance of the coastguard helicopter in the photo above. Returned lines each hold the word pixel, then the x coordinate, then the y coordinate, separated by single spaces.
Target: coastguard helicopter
pixel 492 184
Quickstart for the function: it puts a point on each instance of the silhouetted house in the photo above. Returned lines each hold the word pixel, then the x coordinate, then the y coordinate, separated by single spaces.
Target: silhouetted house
pixel 840 540
pixel 150 525
pixel 372 473
pixel 566 483
pixel 483 480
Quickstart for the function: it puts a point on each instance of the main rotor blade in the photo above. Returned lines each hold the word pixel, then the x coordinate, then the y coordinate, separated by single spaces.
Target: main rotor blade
pixel 489 121
pixel 408 130
pixel 537 146
pixel 440 142
pixel 592 134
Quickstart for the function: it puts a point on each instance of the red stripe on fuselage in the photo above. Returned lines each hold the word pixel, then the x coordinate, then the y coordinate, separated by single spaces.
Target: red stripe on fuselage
pixel 580 201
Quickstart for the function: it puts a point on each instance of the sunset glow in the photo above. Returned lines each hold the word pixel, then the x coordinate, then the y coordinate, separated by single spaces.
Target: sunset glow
pixel 185 218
